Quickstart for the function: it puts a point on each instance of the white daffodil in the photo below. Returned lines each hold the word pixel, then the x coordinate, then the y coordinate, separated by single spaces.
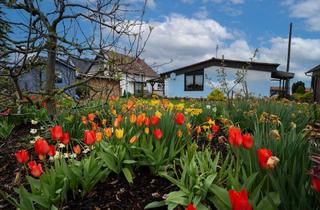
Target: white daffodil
pixel 66 155
pixel 33 131
pixel 62 145
pixel 34 122
pixel 73 155
pixel 37 137
pixel 57 155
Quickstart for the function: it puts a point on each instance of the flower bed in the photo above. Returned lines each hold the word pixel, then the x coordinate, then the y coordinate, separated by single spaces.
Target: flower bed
pixel 252 156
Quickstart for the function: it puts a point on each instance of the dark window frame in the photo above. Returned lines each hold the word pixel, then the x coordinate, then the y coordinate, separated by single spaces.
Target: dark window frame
pixel 194 74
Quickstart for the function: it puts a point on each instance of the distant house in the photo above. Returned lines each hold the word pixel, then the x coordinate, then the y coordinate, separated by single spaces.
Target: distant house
pixel 197 80
pixel 315 82
pixel 33 80
pixel 133 73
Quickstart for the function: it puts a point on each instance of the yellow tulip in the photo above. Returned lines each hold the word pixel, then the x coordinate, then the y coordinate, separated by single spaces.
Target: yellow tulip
pixel 119 133
pixel 146 130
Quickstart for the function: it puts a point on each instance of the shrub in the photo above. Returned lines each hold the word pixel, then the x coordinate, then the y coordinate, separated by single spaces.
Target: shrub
pixel 216 95
pixel 298 85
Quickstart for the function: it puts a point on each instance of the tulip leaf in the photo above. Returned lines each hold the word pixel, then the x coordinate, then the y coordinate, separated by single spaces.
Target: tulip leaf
pixel 155 204
pixel 129 161
pixel 128 175
pixel 221 193
pixel 270 201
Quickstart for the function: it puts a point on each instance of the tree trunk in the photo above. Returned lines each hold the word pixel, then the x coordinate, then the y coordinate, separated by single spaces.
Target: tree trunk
pixel 50 76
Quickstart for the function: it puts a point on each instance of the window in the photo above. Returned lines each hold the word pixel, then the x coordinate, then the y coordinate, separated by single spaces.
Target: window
pixel 58 77
pixel 193 81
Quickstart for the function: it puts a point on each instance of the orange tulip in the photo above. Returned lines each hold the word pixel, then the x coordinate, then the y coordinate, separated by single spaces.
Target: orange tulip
pixel 99 136
pixel 84 120
pixel 76 149
pixel 133 139
pixel 117 121
pixel 179 133
pixel 130 104
pixel 91 117
pixel 108 132
pixel 94 126
pixel 133 118
pixel 198 129
pixel 140 119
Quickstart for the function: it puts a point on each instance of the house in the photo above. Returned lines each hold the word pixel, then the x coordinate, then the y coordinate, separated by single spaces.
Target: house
pixel 33 80
pixel 315 82
pixel 133 74
pixel 197 80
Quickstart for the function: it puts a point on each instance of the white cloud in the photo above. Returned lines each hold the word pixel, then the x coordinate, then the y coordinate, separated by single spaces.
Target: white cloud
pixel 202 13
pixel 189 40
pixel 185 40
pixel 308 10
pixel 305 54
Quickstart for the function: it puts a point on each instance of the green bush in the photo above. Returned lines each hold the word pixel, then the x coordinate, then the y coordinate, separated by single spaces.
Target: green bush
pixel 216 95
pixel 305 97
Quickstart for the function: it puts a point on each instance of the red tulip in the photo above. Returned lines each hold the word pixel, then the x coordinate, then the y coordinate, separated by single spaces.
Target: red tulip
pixel 215 128
pixel 35 169
pixel 210 136
pixel 157 133
pixel 179 118
pixel 154 120
pixel 247 141
pixel 315 183
pixel 65 139
pixel 239 200
pixel 235 137
pixel 147 121
pixel 89 137
pixel 52 150
pixel 263 157
pixel 22 156
pixel 56 132
pixel 191 207
pixel 41 147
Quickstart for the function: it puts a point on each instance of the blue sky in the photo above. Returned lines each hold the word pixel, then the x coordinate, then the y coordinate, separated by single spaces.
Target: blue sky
pixel 188 31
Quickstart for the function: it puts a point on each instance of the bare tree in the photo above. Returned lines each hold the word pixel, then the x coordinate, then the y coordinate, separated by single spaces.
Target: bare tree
pixel 67 28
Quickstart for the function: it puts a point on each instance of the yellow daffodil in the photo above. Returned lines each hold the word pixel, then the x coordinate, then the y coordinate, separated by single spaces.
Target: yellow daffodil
pixel 114 112
pixel 180 106
pixel 211 122
pixel 158 114
pixel 205 127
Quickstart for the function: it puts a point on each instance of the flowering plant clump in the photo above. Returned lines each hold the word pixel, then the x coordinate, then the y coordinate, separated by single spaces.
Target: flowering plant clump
pixel 230 159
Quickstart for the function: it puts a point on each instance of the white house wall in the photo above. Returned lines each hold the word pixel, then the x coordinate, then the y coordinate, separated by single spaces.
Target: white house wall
pixel 258 83
pixel 130 80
